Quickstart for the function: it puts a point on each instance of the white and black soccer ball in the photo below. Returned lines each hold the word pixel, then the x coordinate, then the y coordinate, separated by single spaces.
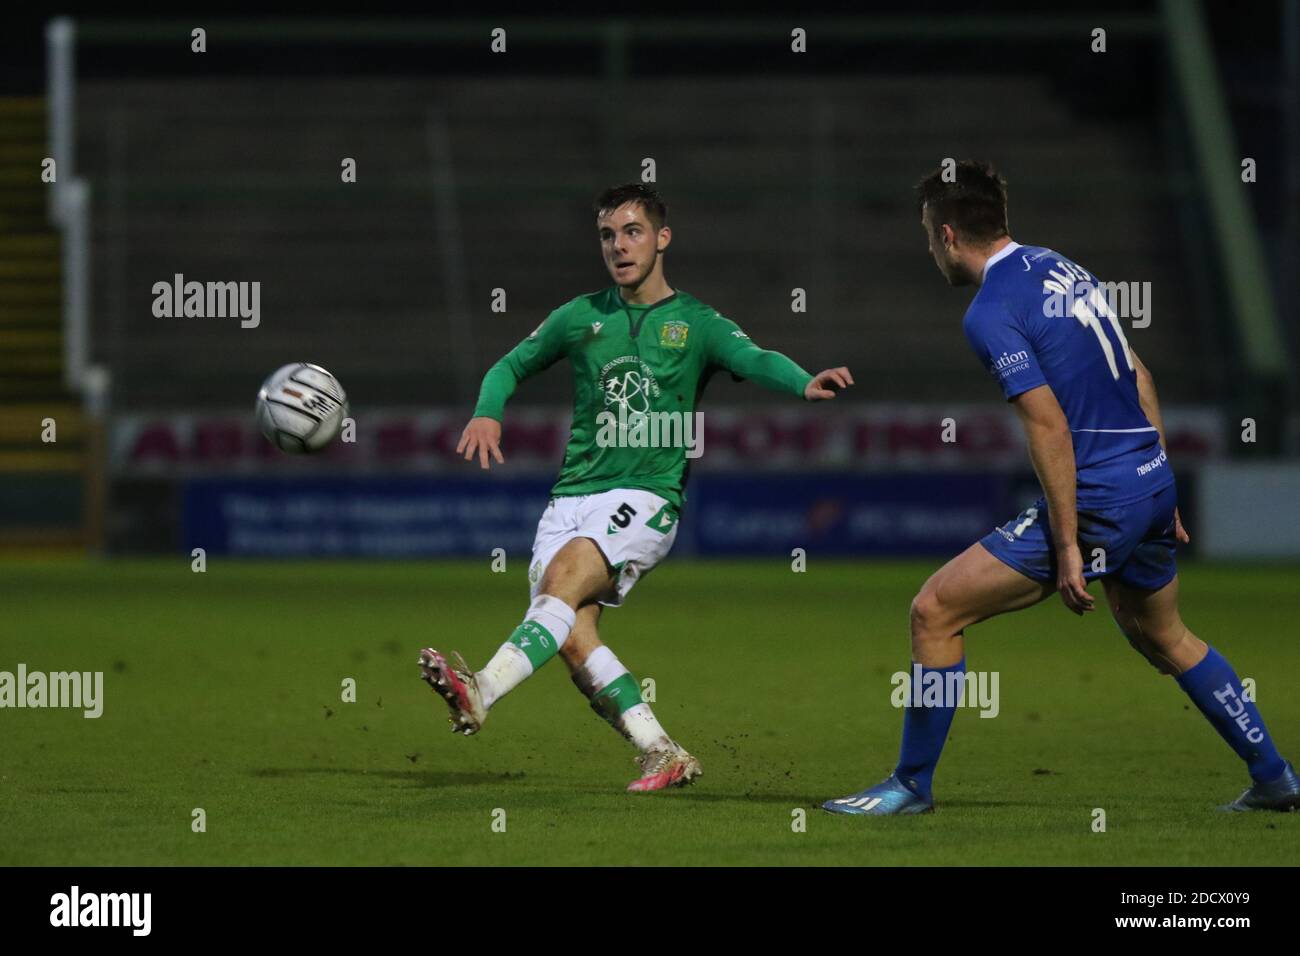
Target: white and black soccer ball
pixel 301 408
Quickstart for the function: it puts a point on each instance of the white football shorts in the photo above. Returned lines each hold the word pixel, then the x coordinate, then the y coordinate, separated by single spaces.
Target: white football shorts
pixel 634 529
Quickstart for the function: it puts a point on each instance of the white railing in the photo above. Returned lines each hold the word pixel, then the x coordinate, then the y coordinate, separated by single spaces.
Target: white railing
pixel 69 211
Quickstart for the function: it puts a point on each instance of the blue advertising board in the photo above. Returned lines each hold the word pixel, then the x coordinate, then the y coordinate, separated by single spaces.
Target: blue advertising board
pixel 838 514
pixel 731 515
pixel 362 517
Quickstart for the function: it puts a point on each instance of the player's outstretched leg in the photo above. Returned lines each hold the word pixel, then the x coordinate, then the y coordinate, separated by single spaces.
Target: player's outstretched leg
pixel 573 577
pixel 615 695
pixel 970 588
pixel 469 696
pixel 576 575
pixel 1152 624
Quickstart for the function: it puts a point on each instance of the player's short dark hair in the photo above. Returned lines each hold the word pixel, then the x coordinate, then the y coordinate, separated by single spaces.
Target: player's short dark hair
pixel 656 209
pixel 975 204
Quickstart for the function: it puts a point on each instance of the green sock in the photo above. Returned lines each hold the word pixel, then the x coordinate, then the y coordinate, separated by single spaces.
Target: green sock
pixel 616 699
pixel 616 696
pixel 536 642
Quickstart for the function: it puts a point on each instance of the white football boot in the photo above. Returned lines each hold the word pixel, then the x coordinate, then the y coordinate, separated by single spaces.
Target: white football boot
pixel 456 684
pixel 661 769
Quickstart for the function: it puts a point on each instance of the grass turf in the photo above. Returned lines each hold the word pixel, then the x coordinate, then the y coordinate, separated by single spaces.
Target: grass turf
pixel 222 691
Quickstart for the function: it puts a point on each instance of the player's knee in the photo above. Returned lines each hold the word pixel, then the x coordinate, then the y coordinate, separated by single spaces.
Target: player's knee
pixel 927 615
pixel 1150 652
pixel 1138 645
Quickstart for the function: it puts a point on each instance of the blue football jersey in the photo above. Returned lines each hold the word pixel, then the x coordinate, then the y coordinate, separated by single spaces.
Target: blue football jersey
pixel 1040 319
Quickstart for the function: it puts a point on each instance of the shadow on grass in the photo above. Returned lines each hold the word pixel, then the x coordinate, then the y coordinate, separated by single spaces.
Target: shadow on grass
pixel 704 796
pixel 808 802
pixel 414 778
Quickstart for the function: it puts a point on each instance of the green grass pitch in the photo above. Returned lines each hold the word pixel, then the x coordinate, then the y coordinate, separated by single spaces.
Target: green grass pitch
pixel 223 691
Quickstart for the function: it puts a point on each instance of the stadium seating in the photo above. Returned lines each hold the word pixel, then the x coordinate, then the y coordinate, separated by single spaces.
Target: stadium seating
pixel 773 184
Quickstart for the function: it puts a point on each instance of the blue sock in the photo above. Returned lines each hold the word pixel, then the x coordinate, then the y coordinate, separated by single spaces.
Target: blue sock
pixel 925 730
pixel 1214 688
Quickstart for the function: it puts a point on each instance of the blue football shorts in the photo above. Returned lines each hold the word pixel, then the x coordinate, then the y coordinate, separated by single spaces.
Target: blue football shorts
pixel 1133 542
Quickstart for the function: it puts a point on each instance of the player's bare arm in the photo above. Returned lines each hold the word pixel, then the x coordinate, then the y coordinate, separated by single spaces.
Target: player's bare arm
pixel 1146 386
pixel 1052 452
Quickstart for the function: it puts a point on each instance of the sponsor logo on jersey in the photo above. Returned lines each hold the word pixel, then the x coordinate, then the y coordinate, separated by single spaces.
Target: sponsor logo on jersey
pixel 1027 260
pixel 672 335
pixel 629 419
pixel 1153 464
pixel 1008 363
pixel 651 430
pixel 629 385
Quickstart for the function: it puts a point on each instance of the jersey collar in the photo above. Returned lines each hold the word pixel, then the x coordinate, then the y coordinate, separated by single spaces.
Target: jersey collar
pixel 997 257
pixel 635 321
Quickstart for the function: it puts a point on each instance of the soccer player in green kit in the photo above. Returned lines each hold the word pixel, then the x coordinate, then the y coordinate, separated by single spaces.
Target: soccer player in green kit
pixel 638 349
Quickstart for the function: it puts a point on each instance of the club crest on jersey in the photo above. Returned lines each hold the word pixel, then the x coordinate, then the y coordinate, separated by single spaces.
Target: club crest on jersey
pixel 672 335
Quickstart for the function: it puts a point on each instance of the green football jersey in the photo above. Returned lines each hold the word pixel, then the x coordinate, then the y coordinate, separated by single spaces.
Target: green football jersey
pixel 630 361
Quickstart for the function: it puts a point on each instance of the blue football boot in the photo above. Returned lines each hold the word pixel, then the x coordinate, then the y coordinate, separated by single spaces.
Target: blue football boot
pixel 1280 794
pixel 891 798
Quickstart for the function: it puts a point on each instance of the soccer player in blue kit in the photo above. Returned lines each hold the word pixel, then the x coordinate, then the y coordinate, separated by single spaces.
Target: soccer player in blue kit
pixel 1045 331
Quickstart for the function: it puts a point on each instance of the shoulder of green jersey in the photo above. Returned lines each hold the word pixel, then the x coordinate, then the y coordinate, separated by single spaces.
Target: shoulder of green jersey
pixel 697 310
pixel 586 299
pixel 561 313
pixel 709 314
pixel 735 333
